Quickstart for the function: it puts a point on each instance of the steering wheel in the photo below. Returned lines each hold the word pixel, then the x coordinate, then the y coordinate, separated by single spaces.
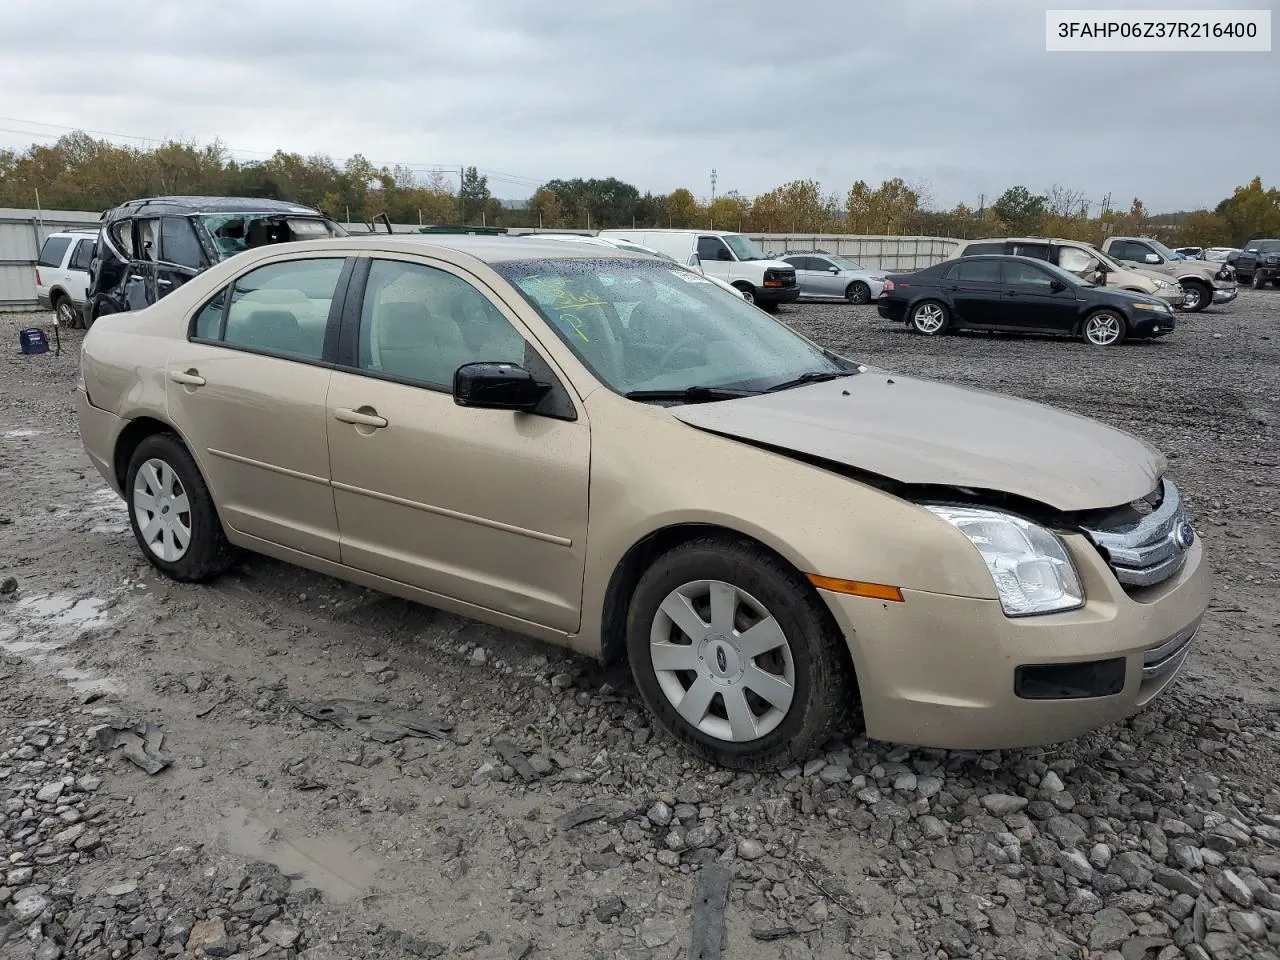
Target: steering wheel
pixel 687 340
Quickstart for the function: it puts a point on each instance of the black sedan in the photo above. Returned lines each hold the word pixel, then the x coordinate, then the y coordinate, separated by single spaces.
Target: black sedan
pixel 1019 295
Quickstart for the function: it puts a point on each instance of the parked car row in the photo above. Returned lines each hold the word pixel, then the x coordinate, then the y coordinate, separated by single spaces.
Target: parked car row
pixel 600 448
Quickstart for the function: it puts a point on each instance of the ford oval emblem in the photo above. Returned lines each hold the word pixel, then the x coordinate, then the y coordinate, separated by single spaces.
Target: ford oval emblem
pixel 722 661
pixel 1184 535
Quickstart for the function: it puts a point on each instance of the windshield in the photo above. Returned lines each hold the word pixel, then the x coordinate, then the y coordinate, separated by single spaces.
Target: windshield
pixel 647 251
pixel 1066 276
pixel 744 248
pixel 234 233
pixel 1265 246
pixel 644 325
pixel 1164 251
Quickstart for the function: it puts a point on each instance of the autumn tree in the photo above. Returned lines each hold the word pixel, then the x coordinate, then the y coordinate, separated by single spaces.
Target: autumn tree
pixel 545 205
pixel 728 212
pixel 1251 212
pixel 682 208
pixel 884 210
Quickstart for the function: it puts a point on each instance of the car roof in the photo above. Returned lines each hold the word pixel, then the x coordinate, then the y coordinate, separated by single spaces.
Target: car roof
pixel 489 249
pixel 89 234
pixel 186 205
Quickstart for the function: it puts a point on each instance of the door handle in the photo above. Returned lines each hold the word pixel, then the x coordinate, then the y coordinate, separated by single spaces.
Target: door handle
pixel 136 276
pixel 164 283
pixel 357 417
pixel 188 378
pixel 1011 293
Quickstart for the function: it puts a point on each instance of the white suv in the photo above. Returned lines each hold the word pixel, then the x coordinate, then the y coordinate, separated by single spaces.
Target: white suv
pixel 62 275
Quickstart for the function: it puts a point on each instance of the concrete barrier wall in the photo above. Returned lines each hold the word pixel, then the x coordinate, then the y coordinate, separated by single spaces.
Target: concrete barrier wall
pixel 22 232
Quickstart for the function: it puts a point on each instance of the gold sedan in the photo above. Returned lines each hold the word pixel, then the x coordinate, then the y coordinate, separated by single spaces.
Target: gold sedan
pixel 611 453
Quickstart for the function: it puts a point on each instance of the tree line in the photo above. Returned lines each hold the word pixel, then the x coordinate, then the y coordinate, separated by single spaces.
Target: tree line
pixel 79 172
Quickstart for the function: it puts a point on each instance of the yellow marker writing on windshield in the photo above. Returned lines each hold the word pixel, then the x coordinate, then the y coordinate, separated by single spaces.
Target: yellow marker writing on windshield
pixel 576 324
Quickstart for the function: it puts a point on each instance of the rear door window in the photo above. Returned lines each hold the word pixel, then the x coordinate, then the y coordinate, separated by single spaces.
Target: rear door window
pixel 1040 251
pixel 83 256
pixel 178 243
pixel 52 252
pixel 976 271
pixel 1025 275
pixel 149 239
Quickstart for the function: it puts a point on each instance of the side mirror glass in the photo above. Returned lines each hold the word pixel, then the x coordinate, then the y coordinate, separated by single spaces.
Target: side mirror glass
pixel 1152 258
pixel 1057 286
pixel 497 386
pixel 835 269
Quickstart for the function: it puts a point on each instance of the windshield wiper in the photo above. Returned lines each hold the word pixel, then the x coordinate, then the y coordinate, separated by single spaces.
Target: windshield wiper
pixel 694 394
pixel 813 376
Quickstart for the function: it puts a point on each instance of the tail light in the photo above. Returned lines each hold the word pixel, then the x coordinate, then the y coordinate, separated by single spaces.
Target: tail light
pixel 39 282
pixel 889 286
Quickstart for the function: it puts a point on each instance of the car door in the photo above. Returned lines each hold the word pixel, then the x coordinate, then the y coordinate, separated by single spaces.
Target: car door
pixel 487 507
pixel 806 278
pixel 974 288
pixel 827 284
pixel 1032 299
pixel 181 256
pixel 139 288
pixel 78 270
pixel 716 257
pixel 247 390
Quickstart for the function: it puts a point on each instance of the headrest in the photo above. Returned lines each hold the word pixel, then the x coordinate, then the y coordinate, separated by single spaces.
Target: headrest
pixel 403 326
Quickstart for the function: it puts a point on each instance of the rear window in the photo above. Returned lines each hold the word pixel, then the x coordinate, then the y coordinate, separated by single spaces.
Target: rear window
pixel 976 249
pixel 53 250
pixel 83 257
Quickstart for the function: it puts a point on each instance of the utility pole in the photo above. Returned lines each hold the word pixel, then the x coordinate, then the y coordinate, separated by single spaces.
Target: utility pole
pixel 713 196
pixel 982 205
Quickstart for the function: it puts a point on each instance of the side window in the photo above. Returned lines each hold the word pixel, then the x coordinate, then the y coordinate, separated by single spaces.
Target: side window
pixel 208 325
pixel 976 249
pixel 148 240
pixel 1075 260
pixel 1038 250
pixel 1128 250
pixel 122 236
pixel 976 271
pixel 712 248
pixel 278 308
pixel 419 323
pixel 178 243
pixel 52 252
pixel 83 256
pixel 1025 275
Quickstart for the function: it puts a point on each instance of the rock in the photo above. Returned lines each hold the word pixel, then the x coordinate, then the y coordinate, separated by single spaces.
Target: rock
pixel 281 934
pixel 1176 881
pixel 1065 831
pixel 1141 948
pixel 27 908
pixel 749 849
pixel 1112 928
pixel 9 585
pixel 1051 783
pixel 19 876
pixel 50 792
pixel 478 657
pixel 69 836
pixel 659 814
pixel 1084 901
pixel 1074 864
pixel 609 910
pixel 1004 922
pixel 834 773
pixel 932 828
pixel 1003 804
pixel 703 835
pixel 88 783
pixel 121 889
pixel 1133 868
pixel 656 932
pixel 1100 856
pixel 1221 945
pixel 222 947
pixel 206 932
pixel 1188 856
pixel 1249 924
pixel 1235 888
pixel 561 681
pixel 374 667
pixel 1268 865
pixel 929 787
pixel 89 841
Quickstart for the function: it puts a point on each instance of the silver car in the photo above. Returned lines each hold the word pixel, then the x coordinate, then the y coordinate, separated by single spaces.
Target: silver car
pixel 825 276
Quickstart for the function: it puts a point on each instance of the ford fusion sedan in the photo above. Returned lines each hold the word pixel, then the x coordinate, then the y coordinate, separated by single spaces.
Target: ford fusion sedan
pixel 608 452
pixel 1020 295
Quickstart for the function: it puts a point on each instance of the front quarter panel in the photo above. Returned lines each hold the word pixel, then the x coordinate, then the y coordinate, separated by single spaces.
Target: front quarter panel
pixel 649 472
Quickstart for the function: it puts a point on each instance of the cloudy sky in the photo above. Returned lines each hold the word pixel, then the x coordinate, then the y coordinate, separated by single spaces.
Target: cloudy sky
pixel 958 94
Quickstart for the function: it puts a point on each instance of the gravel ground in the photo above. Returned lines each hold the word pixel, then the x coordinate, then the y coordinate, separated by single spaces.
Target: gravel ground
pixel 541 816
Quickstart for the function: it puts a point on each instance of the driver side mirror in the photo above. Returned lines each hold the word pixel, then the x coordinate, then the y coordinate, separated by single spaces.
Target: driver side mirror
pixel 1057 286
pixel 835 269
pixel 1152 258
pixel 497 386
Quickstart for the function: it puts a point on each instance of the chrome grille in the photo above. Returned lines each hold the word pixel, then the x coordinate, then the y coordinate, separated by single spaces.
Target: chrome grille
pixel 1145 543
pixel 1160 659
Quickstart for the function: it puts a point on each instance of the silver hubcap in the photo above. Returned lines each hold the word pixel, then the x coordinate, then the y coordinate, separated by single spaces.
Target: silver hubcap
pixel 860 294
pixel 928 318
pixel 1103 329
pixel 162 510
pixel 748 296
pixel 1190 298
pixel 65 313
pixel 722 661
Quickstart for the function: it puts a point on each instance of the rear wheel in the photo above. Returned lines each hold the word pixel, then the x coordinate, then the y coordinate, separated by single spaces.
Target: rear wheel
pixel 171 512
pixel 1103 328
pixel 858 293
pixel 736 656
pixel 929 318
pixel 1195 296
pixel 748 292
pixel 66 312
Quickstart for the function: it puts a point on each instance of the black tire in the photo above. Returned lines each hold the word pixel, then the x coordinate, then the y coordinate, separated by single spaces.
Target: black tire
pixel 208 553
pixel 858 293
pixel 824 688
pixel 748 291
pixel 68 316
pixel 916 318
pixel 1256 281
pixel 1204 296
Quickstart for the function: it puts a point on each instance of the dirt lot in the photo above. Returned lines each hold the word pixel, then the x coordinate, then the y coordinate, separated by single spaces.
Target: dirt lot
pixel 551 821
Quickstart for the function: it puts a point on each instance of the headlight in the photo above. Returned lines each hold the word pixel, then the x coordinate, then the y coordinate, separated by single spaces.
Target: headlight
pixel 1032 570
pixel 1151 306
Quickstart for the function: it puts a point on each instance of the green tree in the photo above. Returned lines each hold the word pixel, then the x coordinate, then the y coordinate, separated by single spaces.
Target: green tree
pixel 682 208
pixel 473 192
pixel 729 212
pixel 1251 212
pixel 546 208
pixel 1021 209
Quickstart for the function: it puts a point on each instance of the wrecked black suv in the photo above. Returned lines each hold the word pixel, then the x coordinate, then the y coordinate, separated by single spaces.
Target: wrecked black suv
pixel 147 248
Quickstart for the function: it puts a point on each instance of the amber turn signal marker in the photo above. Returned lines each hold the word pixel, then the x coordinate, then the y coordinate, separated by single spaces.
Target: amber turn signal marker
pixel 857 588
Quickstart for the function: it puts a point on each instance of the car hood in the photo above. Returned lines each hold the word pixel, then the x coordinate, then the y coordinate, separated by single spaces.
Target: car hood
pixel 923 432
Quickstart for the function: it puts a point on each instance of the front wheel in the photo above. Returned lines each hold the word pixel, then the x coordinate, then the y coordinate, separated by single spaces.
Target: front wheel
pixel 1103 328
pixel 172 515
pixel 1195 297
pixel 929 318
pixel 748 292
pixel 858 293
pixel 67 314
pixel 1258 281
pixel 735 655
